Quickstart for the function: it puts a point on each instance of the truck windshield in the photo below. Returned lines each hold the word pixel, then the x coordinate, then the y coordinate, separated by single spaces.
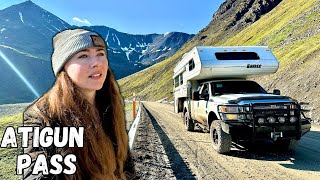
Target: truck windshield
pixel 236 87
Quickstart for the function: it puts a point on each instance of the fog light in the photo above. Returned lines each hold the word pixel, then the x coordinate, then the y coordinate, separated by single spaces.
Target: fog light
pixel 232 116
pixel 293 119
pixel 271 119
pixel 282 119
pixel 261 120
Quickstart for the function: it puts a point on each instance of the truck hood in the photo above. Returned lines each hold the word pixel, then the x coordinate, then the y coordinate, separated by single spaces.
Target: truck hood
pixel 242 99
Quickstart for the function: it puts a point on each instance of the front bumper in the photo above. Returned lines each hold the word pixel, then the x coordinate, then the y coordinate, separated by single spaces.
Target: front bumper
pixel 249 132
pixel 249 128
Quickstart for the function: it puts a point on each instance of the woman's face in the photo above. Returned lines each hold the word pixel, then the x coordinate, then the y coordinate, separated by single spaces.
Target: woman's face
pixel 88 69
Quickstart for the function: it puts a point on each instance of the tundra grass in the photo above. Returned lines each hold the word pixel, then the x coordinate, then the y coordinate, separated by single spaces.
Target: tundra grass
pixel 286 12
pixel 8 155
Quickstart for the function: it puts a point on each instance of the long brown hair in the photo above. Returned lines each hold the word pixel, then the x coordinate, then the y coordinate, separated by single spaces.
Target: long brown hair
pixel 105 138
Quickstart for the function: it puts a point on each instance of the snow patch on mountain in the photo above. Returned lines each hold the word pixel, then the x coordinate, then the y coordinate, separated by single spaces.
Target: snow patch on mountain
pixel 142 45
pixel 127 54
pixel 61 21
pixel 117 39
pixel 116 52
pixel 49 29
pixel 124 48
pixel 63 24
pixel 128 51
pixel 21 17
pixel 107 37
pixel 56 28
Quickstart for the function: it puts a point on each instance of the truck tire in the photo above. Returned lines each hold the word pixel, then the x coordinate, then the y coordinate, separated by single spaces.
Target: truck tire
pixel 188 123
pixel 221 141
pixel 286 144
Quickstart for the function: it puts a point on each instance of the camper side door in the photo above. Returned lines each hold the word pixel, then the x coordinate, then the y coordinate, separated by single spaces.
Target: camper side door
pixel 203 102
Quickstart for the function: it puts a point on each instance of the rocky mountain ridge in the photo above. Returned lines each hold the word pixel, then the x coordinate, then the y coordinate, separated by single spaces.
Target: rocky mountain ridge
pixel 26 32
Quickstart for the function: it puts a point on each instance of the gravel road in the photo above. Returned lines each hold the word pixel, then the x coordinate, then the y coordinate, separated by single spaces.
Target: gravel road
pixel 191 155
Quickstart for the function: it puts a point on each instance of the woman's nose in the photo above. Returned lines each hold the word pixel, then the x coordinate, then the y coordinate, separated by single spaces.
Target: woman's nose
pixel 95 62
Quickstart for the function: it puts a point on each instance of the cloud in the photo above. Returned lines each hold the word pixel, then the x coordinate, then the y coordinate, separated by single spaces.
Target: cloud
pixel 82 21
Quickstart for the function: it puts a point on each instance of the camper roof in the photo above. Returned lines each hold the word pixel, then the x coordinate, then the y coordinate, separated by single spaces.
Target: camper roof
pixel 205 62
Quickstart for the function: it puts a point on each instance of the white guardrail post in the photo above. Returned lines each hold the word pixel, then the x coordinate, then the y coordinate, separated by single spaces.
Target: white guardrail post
pixel 133 129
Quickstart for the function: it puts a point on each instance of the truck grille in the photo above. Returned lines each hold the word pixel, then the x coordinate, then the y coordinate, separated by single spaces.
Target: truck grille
pixel 279 113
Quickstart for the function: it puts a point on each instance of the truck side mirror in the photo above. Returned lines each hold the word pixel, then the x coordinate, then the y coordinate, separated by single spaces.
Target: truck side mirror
pixel 276 92
pixel 195 95
pixel 206 97
pixel 303 103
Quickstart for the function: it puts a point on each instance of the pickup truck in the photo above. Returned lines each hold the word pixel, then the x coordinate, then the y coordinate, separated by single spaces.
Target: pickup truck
pixel 241 110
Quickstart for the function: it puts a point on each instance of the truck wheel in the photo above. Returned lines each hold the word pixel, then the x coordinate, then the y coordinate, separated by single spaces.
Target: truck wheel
pixel 286 144
pixel 188 122
pixel 221 141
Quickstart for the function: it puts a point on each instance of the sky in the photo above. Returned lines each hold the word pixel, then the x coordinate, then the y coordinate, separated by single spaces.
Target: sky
pixel 132 16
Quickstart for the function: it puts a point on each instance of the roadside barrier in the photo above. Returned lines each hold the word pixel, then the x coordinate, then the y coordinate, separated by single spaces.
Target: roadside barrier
pixel 133 129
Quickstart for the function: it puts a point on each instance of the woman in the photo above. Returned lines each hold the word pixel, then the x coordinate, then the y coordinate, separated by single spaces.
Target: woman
pixel 85 94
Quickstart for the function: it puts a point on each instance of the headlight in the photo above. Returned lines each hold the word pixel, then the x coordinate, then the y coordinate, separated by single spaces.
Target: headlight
pixel 261 120
pixel 282 119
pixel 271 119
pixel 233 109
pixel 230 112
pixel 293 119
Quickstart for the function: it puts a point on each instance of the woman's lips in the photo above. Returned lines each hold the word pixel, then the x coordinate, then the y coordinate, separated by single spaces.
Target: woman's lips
pixel 95 76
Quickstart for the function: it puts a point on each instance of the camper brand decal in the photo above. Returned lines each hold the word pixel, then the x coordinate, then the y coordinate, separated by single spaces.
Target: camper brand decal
pixel 253 65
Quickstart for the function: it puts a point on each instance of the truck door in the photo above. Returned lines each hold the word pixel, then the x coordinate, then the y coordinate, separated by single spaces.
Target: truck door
pixel 202 107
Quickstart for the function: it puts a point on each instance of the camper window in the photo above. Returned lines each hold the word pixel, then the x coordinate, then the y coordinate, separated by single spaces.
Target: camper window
pixel 176 81
pixel 237 56
pixel 191 64
pixel 181 79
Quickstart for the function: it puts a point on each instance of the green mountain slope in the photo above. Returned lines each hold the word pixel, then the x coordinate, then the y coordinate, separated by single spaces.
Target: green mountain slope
pixel 291 29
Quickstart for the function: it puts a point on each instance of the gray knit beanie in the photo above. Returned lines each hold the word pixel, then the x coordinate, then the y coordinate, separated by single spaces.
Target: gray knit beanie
pixel 71 41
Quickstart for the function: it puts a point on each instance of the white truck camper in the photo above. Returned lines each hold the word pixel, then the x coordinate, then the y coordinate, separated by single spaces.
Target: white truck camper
pixel 211 91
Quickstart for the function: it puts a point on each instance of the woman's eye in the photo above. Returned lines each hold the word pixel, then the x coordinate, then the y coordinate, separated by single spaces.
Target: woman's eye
pixel 82 56
pixel 100 54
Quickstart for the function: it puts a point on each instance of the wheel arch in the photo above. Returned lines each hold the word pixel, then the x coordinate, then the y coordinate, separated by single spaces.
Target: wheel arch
pixel 211 117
